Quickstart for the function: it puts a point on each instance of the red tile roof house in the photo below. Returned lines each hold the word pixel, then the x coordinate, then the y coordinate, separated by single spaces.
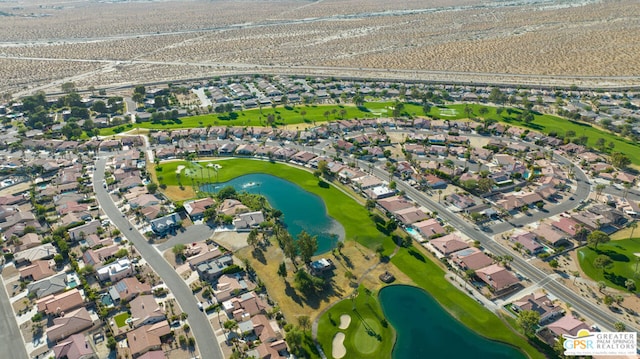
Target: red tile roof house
pixel 471 258
pixel 147 338
pixel 29 240
pixel 154 354
pixel 567 225
pixel 275 350
pixel 229 286
pixel 547 234
pixel 99 256
pixel 76 347
pixel 510 203
pixel 448 244
pixel 145 310
pixel 59 303
pixel 499 279
pixel 246 303
pixel 69 323
pixel 540 303
pixel 567 325
pixel 196 208
pixel 264 329
pixel 410 215
pixel 429 228
pixel 528 242
pixel 395 203
pixel 144 200
pixel 128 288
pixel 37 270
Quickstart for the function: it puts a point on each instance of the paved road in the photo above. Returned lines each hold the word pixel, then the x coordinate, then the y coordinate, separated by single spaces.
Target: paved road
pixel 600 316
pixel 195 233
pixel 572 201
pixel 200 326
pixel 11 340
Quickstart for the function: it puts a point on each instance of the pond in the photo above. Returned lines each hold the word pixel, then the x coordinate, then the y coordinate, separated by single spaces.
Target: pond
pixel 301 210
pixel 425 330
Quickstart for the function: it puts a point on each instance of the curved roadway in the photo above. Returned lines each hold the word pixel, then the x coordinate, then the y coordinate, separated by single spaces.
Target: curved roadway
pixel 200 326
pixel 534 274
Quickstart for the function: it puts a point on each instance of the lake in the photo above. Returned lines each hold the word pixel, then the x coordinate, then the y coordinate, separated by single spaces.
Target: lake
pixel 425 330
pixel 301 210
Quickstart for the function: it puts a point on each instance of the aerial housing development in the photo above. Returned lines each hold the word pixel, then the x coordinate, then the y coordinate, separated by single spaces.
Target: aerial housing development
pixel 130 235
pixel 343 179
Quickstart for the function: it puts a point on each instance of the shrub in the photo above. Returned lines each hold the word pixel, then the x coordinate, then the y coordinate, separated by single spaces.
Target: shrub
pixel 234 268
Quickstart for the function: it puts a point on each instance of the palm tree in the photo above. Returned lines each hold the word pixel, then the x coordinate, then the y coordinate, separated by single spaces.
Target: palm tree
pixel 633 226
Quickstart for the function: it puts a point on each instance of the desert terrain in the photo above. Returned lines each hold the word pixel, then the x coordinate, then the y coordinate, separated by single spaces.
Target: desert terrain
pixel 106 44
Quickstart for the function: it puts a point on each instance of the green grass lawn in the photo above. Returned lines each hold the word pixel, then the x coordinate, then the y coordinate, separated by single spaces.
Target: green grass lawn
pixel 121 319
pixel 430 277
pixel 320 113
pixel 353 216
pixel 624 262
pixel 368 334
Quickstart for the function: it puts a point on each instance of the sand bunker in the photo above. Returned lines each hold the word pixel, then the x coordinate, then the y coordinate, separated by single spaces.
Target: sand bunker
pixel 179 169
pixel 337 349
pixel 345 320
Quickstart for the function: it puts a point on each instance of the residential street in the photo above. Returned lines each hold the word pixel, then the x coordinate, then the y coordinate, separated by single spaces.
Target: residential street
pixel 200 327
pixel 10 337
pixel 535 275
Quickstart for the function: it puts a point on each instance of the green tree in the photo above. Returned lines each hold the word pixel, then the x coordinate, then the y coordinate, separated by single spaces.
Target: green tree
pixel 619 327
pixel 68 87
pixel 152 187
pixel 252 239
pixel 295 339
pixel 630 284
pixel 603 262
pixel 601 286
pixel 528 321
pixel 607 300
pixel 307 283
pixel 226 192
pixel 485 185
pixel 179 249
pixel 289 247
pixel 304 322
pixel 619 160
pixel 99 106
pixel 282 270
pixel 596 237
pixel 307 245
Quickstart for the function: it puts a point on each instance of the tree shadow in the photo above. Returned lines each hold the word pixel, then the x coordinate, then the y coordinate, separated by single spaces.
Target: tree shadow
pixel 314 298
pixel 615 278
pixel 367 327
pixel 417 255
pixel 347 261
pixel 291 293
pixel 615 256
pixel 258 254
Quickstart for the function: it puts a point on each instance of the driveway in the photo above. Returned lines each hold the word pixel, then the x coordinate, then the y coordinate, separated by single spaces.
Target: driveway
pixel 195 233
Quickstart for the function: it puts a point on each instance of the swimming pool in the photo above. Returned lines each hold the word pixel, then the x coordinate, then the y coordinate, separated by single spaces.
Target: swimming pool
pixel 413 233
